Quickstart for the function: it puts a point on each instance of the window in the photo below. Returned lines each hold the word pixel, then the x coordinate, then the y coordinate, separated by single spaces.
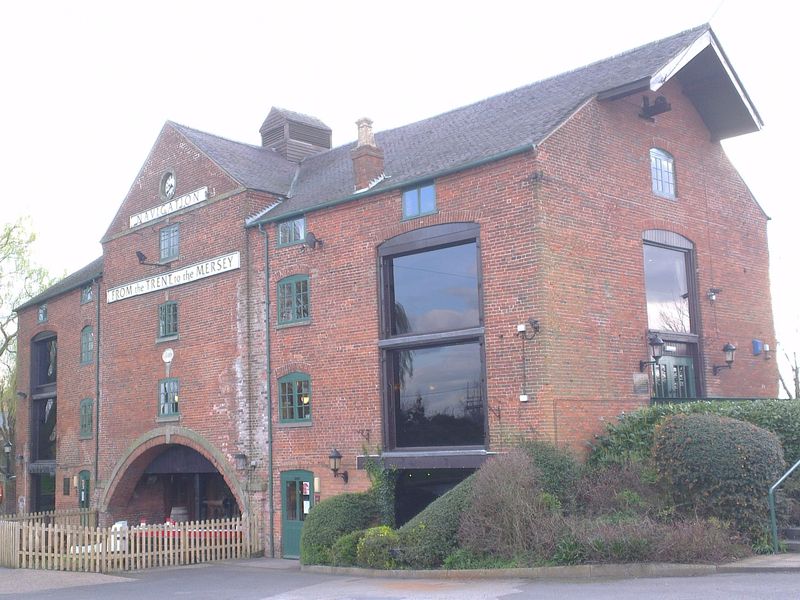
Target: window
pixel 87 293
pixel 86 418
pixel 672 312
pixel 45 355
pixel 87 344
pixel 41 314
pixel 168 397
pixel 295 397
pixel 662 170
pixel 419 201
pixel 433 338
pixel 292 232
pixel 168 319
pixel 169 241
pixel 293 299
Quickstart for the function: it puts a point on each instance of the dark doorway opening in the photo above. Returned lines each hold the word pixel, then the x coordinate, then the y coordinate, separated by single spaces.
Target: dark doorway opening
pixel 416 488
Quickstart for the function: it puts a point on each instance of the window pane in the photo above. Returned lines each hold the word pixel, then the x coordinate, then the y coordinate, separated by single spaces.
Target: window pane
pixel 667 289
pixel 427 199
pixel 435 290
pixel 290 508
pixel 298 227
pixel 410 203
pixel 301 299
pixel 438 396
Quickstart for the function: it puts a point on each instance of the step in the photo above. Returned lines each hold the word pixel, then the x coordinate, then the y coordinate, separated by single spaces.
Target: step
pixel 791 545
pixel 790 533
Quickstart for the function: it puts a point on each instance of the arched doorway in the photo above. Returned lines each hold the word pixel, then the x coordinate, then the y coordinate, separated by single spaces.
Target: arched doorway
pixel 158 481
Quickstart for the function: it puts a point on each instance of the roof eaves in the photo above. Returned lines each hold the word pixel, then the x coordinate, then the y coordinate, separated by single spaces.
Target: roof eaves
pixel 56 289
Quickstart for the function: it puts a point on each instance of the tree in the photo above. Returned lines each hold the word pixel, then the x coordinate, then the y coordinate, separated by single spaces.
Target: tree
pixel 20 280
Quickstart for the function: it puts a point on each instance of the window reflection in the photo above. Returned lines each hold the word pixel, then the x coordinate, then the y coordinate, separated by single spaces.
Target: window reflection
pixel 667 289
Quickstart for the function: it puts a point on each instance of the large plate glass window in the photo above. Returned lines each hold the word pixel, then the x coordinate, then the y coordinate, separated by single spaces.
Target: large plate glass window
pixel 433 338
pixel 672 312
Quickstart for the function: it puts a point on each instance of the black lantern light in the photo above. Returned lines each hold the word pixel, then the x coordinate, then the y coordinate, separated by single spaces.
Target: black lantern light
pixel 335 459
pixel 657 346
pixel 730 352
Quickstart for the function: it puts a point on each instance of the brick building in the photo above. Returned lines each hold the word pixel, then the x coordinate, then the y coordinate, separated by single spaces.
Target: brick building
pixel 427 294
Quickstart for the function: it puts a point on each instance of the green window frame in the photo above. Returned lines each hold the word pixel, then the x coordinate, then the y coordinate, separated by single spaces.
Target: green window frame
pixel 169 242
pixel 292 231
pixel 168 390
pixel 294 398
pixel 293 300
pixel 168 319
pixel 419 201
pixel 87 344
pixel 41 313
pixel 86 418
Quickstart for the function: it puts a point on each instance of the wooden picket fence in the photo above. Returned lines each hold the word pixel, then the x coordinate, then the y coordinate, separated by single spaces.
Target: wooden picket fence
pixel 26 544
pixel 79 516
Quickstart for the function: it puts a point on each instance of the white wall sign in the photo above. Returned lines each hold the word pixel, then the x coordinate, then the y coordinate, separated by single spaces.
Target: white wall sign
pixel 172 206
pixel 201 270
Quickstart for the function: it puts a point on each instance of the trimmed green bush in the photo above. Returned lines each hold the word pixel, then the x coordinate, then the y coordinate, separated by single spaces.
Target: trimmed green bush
pixel 344 550
pixel 377 548
pixel 331 519
pixel 559 470
pixel 427 539
pixel 719 467
pixel 631 437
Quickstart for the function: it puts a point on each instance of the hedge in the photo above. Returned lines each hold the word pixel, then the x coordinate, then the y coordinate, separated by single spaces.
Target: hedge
pixel 331 519
pixel 719 467
pixel 427 539
pixel 631 437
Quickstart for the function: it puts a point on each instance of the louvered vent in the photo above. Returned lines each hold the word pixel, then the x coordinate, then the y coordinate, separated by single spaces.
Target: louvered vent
pixel 294 135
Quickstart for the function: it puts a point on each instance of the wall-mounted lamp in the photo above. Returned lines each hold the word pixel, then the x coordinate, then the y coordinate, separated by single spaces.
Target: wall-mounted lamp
pixel 712 293
pixel 241 461
pixel 143 260
pixel 7 452
pixel 528 331
pixel 730 352
pixel 312 241
pixel 657 346
pixel 767 354
pixel 335 459
pixel 22 395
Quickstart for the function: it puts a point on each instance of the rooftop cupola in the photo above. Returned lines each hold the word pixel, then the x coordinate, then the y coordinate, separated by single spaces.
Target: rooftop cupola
pixel 294 135
pixel 367 157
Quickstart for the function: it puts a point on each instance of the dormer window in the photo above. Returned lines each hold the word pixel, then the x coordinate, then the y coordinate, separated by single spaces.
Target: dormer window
pixel 662 171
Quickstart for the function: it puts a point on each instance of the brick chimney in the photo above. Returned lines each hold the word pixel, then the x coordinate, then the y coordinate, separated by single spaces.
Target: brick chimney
pixel 367 157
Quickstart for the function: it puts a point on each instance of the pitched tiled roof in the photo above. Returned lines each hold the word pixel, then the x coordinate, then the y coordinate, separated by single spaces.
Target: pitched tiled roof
pixel 488 128
pixel 254 167
pixel 77 279
pixel 300 118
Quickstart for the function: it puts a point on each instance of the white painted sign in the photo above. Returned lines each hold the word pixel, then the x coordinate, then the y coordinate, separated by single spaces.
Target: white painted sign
pixel 201 270
pixel 172 206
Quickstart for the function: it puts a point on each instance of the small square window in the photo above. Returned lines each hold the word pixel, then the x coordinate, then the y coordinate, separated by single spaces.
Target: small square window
pixel 295 397
pixel 87 293
pixel 41 314
pixel 86 418
pixel 292 232
pixel 169 242
pixel 293 299
pixel 419 201
pixel 87 344
pixel 168 319
pixel 168 397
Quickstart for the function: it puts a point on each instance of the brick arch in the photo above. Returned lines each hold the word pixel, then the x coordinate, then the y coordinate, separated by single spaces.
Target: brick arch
pixel 440 218
pixel 143 450
pixel 292 367
pixel 664 225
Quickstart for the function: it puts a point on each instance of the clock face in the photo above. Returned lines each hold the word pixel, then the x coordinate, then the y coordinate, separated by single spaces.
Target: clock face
pixel 168 185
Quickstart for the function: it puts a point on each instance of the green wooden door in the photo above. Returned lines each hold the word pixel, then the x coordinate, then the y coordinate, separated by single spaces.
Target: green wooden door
pixel 83 493
pixel 673 377
pixel 297 497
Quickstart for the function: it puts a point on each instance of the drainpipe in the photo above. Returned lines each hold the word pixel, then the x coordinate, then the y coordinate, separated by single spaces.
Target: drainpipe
pixel 97 385
pixel 267 364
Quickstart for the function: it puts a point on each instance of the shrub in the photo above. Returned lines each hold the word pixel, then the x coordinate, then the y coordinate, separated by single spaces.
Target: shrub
pixel 464 559
pixel 625 490
pixel 719 467
pixel 509 514
pixel 559 471
pixel 344 550
pixel 377 548
pixel 427 539
pixel 631 437
pixel 331 519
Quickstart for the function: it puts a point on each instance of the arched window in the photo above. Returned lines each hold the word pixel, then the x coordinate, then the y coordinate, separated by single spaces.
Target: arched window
pixel 86 418
pixel 662 170
pixel 87 344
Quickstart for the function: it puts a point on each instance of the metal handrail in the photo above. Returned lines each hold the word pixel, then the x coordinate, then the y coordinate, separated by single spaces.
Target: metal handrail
pixel 771 498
